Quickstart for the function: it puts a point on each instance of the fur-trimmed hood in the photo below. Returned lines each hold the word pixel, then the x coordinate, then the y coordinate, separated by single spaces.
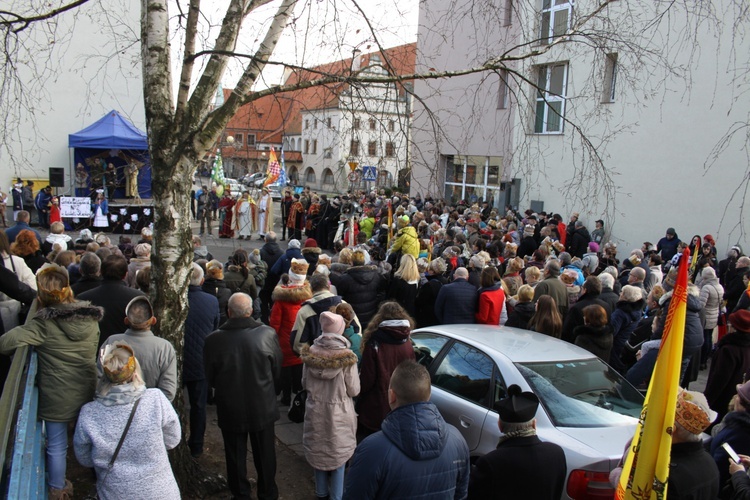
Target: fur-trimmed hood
pixel 326 363
pixel 72 318
pixel 294 294
pixel 311 250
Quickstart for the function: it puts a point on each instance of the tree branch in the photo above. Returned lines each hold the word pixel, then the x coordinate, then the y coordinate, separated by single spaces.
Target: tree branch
pixel 25 22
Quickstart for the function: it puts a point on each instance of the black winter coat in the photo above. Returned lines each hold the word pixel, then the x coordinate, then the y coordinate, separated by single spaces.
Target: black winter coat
pixel 527 246
pixel 218 289
pixel 735 430
pixel 243 363
pixel 729 364
pixel 113 296
pixel 522 313
pixel 456 303
pixel 574 318
pixel 404 293
pixel 579 243
pixel 202 319
pixel 424 304
pixel 597 341
pixel 623 321
pixel 692 473
pixel 363 287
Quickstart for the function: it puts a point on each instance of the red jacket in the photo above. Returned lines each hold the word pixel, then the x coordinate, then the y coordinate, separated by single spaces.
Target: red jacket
pixel 491 302
pixel 286 302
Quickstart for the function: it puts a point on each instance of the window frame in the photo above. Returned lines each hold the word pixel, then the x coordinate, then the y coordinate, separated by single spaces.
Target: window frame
pixel 307 146
pixel 503 97
pixel 390 149
pixel 546 97
pixel 372 124
pixel 315 146
pixel 372 148
pixel 610 78
pixel 357 124
pixel 553 10
pixel 354 147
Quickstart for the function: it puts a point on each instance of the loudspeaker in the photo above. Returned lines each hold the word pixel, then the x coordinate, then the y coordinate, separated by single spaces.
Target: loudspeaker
pixel 57 177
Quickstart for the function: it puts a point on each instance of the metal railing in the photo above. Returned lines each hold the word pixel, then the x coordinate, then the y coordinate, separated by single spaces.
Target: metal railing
pixel 22 460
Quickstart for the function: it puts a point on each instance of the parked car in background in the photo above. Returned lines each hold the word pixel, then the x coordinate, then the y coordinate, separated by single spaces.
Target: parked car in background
pixel 252 179
pixel 586 407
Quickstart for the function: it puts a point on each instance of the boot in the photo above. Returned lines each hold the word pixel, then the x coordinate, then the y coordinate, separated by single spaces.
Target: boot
pixel 65 493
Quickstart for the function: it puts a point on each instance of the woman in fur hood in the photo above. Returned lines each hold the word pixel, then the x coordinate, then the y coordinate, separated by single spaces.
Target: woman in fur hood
pixel 331 380
pixel 288 297
pixel 65 334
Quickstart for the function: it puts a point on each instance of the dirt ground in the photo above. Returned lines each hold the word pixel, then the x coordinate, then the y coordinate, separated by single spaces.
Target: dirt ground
pixel 294 476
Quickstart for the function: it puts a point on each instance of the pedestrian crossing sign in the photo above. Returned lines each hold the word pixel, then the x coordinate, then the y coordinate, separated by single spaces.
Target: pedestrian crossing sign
pixel 370 173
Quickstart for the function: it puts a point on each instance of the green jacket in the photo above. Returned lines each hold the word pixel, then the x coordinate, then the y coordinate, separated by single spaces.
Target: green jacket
pixel 65 337
pixel 407 241
pixel 367 225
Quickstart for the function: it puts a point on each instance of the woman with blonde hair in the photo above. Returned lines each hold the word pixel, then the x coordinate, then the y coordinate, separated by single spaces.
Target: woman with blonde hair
pixel 386 343
pixel 547 318
pixel 65 334
pixel 405 284
pixel 523 309
pixel 124 434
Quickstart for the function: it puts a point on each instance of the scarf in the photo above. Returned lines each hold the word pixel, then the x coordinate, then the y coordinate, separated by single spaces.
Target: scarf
pixel 517 434
pixel 330 342
pixel 121 394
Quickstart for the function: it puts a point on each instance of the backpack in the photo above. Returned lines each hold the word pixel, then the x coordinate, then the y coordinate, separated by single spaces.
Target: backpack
pixel 312 329
pixel 202 198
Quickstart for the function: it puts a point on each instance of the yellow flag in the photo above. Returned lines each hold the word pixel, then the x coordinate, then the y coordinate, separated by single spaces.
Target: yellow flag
pixel 646 469
pixel 390 221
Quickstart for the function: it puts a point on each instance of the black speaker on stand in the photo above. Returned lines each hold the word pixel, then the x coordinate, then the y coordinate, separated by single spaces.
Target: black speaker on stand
pixel 56 177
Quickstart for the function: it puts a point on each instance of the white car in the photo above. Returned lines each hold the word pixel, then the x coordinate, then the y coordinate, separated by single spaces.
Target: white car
pixel 585 406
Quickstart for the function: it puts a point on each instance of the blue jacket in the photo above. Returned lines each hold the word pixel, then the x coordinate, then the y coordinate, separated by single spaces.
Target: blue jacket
pixel 202 319
pixel 285 261
pixel 12 232
pixel 416 455
pixel 456 303
pixel 735 431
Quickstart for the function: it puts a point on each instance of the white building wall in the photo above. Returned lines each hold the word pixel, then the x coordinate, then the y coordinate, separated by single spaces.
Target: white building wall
pixel 84 86
pixel 654 139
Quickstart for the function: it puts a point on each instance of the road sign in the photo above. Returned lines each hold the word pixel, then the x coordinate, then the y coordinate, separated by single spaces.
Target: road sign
pixel 370 173
pixel 354 177
pixel 353 165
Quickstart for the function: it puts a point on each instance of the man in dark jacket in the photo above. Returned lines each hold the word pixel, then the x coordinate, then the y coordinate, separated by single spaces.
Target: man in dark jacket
pixel 113 295
pixel 457 302
pixel 282 265
pixel 22 222
pixel 590 292
pixel 41 203
pixel 362 286
pixel 608 294
pixel 27 195
pixel 269 253
pixel 736 286
pixel 243 364
pixel 91 277
pixel 667 246
pixel 202 319
pixel 552 286
pixel 416 454
pixel 579 240
pixel 512 470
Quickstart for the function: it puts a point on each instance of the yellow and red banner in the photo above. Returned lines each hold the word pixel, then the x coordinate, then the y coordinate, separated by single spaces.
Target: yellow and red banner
pixel 274 169
pixel 646 469
pixel 390 221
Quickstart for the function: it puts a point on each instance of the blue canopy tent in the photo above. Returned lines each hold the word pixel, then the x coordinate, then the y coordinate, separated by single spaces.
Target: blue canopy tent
pixel 111 140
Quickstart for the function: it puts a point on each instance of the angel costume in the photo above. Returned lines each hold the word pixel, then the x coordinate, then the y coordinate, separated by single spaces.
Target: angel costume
pixel 265 220
pixel 100 213
pixel 245 213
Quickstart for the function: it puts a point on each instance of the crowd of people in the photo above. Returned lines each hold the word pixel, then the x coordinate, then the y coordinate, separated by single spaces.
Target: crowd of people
pixel 326 323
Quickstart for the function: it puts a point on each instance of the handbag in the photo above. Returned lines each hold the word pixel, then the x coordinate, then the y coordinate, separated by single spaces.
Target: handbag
pixel 297 408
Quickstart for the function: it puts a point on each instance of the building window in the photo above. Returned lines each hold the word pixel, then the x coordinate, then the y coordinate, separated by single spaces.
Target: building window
pixel 307 146
pixel 315 146
pixel 508 14
pixel 328 177
pixel 389 149
pixel 328 153
pixel 357 124
pixel 502 98
pixel 391 126
pixel 251 139
pixel 328 122
pixel 354 148
pixel 315 123
pixel 555 19
pixel 310 176
pixel 238 138
pixel 307 123
pixel 372 123
pixel 372 148
pixel 550 99
pixel 610 78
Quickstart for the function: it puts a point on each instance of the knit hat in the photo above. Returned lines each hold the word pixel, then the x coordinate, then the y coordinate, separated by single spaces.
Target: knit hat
pixel 332 323
pixel 693 412
pixel 743 391
pixel 631 293
pixel 671 231
pixel 310 243
pixel 518 407
pixel 593 246
pixel 403 221
pixel 298 271
pixel 740 320
pixel 294 244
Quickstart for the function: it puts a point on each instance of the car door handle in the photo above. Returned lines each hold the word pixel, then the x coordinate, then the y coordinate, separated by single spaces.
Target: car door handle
pixel 465 421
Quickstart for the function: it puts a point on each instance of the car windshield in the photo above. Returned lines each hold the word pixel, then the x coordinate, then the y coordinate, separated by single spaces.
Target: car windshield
pixel 582 393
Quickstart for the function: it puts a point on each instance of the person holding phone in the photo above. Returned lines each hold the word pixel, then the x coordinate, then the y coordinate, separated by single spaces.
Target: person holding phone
pixel 734 432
